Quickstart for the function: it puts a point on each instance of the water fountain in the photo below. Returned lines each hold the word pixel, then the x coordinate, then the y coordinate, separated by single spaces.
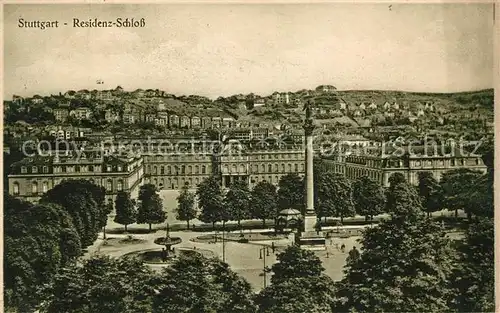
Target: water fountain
pixel 168 242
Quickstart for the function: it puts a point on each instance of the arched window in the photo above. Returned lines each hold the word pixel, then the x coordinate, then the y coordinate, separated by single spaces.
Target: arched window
pixel 15 188
pixel 34 187
pixel 233 168
pixel 196 169
pixel 169 170
pixel 190 169
pixel 289 167
pixel 296 167
pixel 155 170
pixel 162 170
pixel 149 169
pixel 119 185
pixel 242 168
pixel 270 168
pixel 45 187
pixel 109 185
pixel 263 168
pixel 283 167
pixel 203 169
pixel 276 167
pixel 156 182
pixel 183 169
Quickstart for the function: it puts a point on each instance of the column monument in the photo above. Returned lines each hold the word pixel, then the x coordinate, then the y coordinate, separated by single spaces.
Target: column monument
pixel 309 237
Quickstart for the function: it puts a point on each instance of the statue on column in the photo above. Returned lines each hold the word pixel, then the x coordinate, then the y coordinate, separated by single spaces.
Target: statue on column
pixel 308 122
pixel 307 108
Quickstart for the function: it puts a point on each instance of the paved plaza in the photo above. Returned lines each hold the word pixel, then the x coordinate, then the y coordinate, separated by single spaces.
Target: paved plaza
pixel 242 257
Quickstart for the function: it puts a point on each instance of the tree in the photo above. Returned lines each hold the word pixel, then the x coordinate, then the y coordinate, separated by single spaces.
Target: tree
pixel 323 187
pixel 298 284
pixel 264 204
pixel 151 207
pixel 480 198
pixel 295 262
pixel 430 192
pixel 185 209
pixel 210 200
pixel 126 212
pixel 103 220
pixel 237 202
pixel 291 192
pixel 402 200
pixel 457 186
pixel 405 266
pixel 85 203
pixel 38 240
pixel 196 284
pixel 101 285
pixel 340 195
pixel 314 294
pixel 475 277
pixel 370 197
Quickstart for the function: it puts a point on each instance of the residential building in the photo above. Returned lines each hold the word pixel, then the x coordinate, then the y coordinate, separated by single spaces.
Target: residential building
pixel 81 113
pixel 61 115
pixel 195 122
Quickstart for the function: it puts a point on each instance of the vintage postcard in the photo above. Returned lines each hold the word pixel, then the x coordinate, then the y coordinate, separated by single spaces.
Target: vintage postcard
pixel 248 157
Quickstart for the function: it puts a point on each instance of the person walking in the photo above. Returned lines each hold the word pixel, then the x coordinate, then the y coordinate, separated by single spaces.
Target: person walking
pixel 342 248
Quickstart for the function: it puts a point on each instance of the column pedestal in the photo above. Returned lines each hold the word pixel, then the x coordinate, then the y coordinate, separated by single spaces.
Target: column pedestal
pixel 309 238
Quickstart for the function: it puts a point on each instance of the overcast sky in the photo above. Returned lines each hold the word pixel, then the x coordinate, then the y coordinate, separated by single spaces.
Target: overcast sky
pixel 225 49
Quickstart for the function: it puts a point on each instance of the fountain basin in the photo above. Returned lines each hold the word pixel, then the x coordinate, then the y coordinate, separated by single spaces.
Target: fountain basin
pixel 168 241
pixel 154 256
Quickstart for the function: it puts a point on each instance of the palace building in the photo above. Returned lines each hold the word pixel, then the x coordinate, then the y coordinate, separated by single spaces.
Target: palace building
pixel 379 163
pixel 31 177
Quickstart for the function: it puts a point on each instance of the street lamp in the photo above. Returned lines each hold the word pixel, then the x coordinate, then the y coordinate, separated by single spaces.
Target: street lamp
pixel 262 256
pixel 223 243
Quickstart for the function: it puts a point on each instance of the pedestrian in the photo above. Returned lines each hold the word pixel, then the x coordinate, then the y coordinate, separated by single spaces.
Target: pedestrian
pixel 272 246
pixel 337 246
pixel 342 248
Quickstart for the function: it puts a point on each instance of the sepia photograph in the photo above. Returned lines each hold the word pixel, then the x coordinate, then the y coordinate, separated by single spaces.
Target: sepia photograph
pixel 248 157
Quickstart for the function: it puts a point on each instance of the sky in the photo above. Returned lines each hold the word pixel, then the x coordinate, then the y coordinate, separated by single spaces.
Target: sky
pixel 225 49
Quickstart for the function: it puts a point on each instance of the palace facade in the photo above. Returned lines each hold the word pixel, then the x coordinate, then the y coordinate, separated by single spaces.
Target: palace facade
pixel 31 177
pixel 379 163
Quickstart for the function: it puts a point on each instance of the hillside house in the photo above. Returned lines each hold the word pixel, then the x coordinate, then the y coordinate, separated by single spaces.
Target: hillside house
pixel 173 120
pixel 61 114
pixel 81 113
pixel 195 122
pixel 111 116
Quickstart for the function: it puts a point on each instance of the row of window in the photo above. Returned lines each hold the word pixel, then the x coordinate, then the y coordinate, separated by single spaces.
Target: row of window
pixel 354 173
pixel 177 170
pixel 34 169
pixel 267 156
pixel 73 169
pixel 277 167
pixel 35 187
pixel 177 182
